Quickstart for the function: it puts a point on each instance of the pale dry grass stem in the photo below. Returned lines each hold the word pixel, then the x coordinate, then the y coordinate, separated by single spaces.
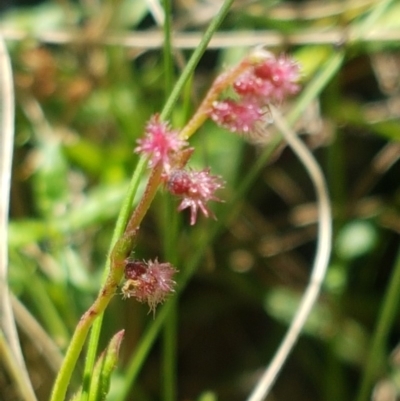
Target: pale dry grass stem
pixel 10 345
pixel 320 262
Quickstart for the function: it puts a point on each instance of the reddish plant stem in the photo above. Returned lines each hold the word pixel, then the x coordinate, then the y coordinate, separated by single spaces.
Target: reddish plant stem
pixel 148 196
pixel 124 245
pixel 122 248
pixel 222 82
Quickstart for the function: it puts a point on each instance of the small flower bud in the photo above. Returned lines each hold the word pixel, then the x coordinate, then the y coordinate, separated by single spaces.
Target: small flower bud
pixel 149 282
pixel 195 188
pixel 160 143
pixel 267 80
pixel 271 80
pixel 134 269
pixel 237 116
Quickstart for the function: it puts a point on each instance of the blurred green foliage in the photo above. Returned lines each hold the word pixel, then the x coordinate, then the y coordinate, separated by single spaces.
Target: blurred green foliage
pixel 83 95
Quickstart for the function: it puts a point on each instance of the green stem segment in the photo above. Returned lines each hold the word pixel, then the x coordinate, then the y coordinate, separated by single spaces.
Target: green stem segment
pixel 120 252
pixel 118 232
pixel 122 249
pixel 194 59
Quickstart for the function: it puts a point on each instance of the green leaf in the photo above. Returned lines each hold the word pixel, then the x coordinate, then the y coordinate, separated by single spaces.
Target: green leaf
pixel 100 381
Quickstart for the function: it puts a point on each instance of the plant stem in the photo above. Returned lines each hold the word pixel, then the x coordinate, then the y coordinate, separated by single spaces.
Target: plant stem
pixel 7 321
pixel 120 251
pixel 78 339
pixel 358 32
pixel 220 84
pixel 320 262
pixel 169 353
pixel 81 332
pixel 170 233
pixel 167 49
pixel 387 316
pixel 194 59
pixel 13 368
pixel 145 202
pixel 118 231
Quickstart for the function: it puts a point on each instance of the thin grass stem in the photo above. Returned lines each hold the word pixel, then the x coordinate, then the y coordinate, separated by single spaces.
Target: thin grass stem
pixel 195 58
pixel 7 321
pixel 167 49
pixel 320 262
pixel 14 369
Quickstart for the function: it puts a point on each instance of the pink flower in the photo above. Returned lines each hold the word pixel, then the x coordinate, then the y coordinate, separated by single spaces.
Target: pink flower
pixel 195 188
pixel 237 116
pixel 267 80
pixel 249 85
pixel 149 282
pixel 159 143
pixel 271 80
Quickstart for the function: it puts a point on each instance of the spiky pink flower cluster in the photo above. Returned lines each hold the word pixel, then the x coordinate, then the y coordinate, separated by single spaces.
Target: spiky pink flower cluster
pixel 237 116
pixel 160 143
pixel 195 188
pixel 148 282
pixel 269 80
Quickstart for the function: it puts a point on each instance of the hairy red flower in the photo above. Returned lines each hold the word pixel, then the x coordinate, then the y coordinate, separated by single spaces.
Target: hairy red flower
pixel 149 282
pixel 237 116
pixel 195 188
pixel 269 81
pixel 160 143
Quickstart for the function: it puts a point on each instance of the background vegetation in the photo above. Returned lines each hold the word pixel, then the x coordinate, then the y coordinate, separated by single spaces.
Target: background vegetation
pixel 87 77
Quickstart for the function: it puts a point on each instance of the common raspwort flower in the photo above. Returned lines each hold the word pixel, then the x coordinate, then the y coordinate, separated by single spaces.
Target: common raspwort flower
pixel 237 116
pixel 148 282
pixel 160 143
pixel 195 188
pixel 268 80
